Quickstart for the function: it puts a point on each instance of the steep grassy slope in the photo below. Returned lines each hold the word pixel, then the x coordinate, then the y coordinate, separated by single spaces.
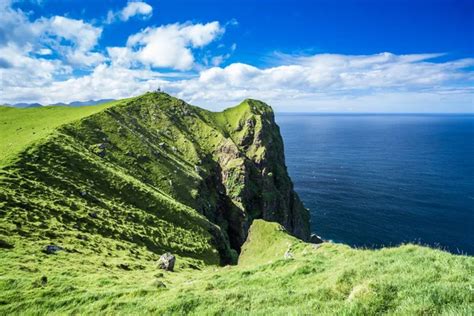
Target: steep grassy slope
pixel 327 279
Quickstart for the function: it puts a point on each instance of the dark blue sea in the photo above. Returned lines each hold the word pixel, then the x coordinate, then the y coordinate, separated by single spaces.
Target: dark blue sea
pixel 373 180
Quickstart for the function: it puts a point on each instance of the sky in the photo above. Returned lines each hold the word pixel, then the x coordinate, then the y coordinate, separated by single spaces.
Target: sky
pixel 298 56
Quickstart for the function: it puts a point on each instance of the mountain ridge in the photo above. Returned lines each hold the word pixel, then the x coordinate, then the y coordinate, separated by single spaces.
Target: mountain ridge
pixel 173 151
pixel 25 105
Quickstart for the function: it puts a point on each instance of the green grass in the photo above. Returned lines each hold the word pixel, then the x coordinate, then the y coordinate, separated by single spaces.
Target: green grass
pixel 328 279
pixel 117 185
pixel 19 128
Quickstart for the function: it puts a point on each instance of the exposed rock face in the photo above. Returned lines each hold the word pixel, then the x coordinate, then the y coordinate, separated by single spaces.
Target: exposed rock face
pixel 254 174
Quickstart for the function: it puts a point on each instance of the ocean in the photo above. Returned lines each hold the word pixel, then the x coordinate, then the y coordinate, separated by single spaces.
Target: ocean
pixel 373 180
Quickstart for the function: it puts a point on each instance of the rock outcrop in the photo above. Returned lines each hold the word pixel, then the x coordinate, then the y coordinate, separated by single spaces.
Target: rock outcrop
pixel 253 172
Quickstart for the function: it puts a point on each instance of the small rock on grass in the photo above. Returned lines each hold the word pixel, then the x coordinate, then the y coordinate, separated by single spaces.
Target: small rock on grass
pixel 52 249
pixel 124 266
pixel 159 284
pixel 315 239
pixel 167 261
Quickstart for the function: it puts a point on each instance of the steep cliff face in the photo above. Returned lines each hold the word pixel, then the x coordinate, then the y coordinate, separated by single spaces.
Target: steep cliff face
pixel 253 169
pixel 157 173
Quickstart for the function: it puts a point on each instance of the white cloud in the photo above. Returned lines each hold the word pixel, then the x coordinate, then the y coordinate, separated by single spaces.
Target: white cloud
pixel 15 26
pixel 121 56
pixel 136 8
pixel 72 40
pixel 82 34
pixel 25 71
pixel 105 81
pixel 338 73
pixel 335 81
pixel 37 59
pixel 133 8
pixel 80 39
pixel 381 82
pixel 170 46
pixel 44 51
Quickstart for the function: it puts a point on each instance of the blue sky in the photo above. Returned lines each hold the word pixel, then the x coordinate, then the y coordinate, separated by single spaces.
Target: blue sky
pixel 336 56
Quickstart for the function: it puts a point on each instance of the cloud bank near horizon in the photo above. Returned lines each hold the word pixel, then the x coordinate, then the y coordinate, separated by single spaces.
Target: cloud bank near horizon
pixel 60 59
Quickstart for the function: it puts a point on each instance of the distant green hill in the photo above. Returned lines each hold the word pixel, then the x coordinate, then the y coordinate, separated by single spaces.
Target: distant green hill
pixel 116 185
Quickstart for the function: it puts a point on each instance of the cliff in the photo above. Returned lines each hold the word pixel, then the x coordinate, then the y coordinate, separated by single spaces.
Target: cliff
pixel 157 173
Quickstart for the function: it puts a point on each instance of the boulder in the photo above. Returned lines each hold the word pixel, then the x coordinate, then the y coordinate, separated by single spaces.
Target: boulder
pixel 124 266
pixel 167 261
pixel 315 239
pixel 160 284
pixel 52 249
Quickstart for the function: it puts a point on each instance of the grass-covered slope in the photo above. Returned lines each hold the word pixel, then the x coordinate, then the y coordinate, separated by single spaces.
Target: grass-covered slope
pixel 21 128
pixel 327 279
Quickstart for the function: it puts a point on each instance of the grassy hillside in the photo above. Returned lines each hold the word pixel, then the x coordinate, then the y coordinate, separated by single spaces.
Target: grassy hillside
pixel 117 185
pixel 328 279
pixel 22 127
pixel 153 172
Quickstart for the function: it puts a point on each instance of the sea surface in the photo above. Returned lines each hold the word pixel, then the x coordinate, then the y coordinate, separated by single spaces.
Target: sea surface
pixel 373 180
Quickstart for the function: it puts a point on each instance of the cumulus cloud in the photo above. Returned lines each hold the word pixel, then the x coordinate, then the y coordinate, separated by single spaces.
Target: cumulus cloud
pixel 316 83
pixel 38 59
pixel 81 37
pixel 136 8
pixel 105 80
pixel 34 54
pixel 73 40
pixel 15 26
pixel 170 46
pixel 40 56
pixel 133 8
pixel 25 71
pixel 328 78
